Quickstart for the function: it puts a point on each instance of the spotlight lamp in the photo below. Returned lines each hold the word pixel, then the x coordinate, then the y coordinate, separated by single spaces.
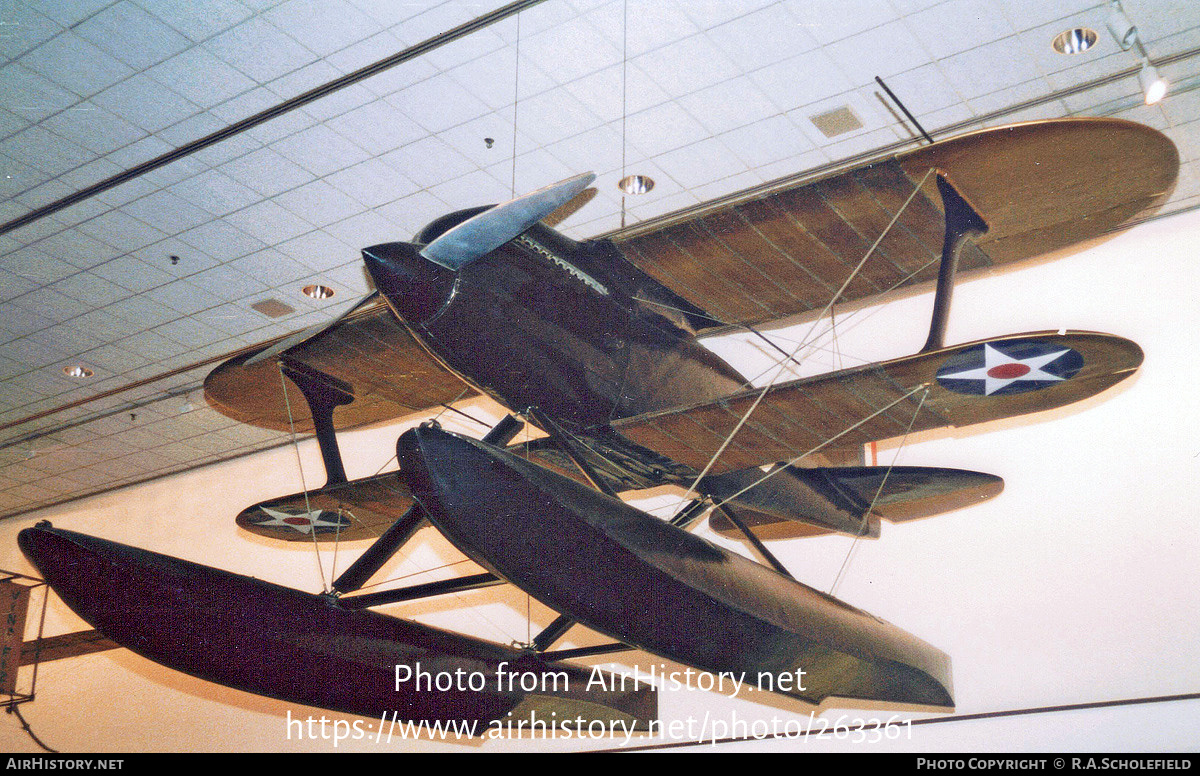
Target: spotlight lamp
pixel 1153 86
pixel 1121 28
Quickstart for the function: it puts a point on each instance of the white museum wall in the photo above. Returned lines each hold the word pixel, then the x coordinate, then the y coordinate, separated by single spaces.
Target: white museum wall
pixel 1073 586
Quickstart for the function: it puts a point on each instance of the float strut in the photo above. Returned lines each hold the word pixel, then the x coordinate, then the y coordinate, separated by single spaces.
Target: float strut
pixel 409 523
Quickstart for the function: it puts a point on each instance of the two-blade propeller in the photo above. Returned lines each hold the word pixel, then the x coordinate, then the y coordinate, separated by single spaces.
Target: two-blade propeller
pixel 487 231
pixel 463 244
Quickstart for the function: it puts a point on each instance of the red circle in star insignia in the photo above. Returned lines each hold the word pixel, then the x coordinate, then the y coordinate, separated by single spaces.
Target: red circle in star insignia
pixel 297 520
pixel 1008 371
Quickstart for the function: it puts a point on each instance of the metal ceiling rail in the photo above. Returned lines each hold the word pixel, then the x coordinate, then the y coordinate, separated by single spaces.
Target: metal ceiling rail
pixel 187 149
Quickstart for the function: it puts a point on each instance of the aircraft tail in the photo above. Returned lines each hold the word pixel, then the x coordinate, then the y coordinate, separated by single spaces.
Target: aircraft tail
pixel 847 499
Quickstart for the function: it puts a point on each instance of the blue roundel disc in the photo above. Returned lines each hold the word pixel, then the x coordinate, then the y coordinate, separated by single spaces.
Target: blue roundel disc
pixel 1004 368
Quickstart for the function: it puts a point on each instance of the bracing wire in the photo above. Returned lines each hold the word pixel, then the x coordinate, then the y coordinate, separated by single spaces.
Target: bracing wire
pixel 782 365
pixel 837 580
pixel 303 484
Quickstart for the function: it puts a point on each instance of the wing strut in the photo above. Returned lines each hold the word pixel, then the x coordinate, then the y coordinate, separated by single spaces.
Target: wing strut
pixel 322 393
pixel 962 222
pixel 409 523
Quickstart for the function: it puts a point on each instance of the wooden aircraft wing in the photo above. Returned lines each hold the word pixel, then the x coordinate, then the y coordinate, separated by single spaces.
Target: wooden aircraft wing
pixel 952 387
pixel 388 371
pixel 785 249
pixel 344 511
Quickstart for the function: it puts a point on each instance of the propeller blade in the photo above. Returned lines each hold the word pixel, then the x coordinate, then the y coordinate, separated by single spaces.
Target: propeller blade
pixel 487 231
pixel 292 340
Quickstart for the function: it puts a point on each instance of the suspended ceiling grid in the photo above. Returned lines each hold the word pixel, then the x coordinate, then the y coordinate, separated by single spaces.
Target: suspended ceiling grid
pixel 707 98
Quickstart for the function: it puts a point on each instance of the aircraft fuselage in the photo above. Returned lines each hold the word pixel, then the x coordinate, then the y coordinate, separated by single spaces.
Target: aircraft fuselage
pixel 561 327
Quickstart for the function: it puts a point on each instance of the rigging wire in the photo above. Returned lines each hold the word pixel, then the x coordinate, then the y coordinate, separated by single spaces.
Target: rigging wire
pixel 762 394
pixel 837 580
pixel 303 484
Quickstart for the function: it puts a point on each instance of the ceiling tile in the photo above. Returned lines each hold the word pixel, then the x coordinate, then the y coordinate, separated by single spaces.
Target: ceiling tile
pixel 320 150
pixel 132 35
pixel 224 282
pixel 973 73
pixel 266 172
pixel 91 289
pixel 764 142
pixel 700 163
pixel 79 249
pixel 269 222
pixel 166 211
pixel 319 203
pixel 319 250
pixel 197 21
pixel 971 21
pixel 145 102
pixel 712 13
pixel 428 161
pixel 728 105
pixel 200 77
pixel 377 127
pixel 576 47
pixel 222 241
pixel 94 128
pixel 763 37
pixel 216 192
pixel 688 66
pixel 29 95
pixel 122 231
pixel 259 49
pixel 801 80
pixel 661 129
pixel 322 26
pixel 76 65
pixel 438 103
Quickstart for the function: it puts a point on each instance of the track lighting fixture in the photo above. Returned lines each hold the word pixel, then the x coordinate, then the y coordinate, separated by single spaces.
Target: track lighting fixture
pixel 1121 28
pixel 1154 87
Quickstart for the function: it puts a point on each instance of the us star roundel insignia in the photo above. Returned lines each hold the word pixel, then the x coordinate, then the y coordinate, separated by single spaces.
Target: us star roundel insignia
pixel 1004 368
pixel 319 521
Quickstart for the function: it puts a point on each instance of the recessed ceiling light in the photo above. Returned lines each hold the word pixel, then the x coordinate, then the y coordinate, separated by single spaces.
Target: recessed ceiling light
pixel 318 292
pixel 77 371
pixel 1074 41
pixel 636 184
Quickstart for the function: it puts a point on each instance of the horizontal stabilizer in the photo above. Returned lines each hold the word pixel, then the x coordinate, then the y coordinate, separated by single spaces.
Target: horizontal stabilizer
pixel 850 499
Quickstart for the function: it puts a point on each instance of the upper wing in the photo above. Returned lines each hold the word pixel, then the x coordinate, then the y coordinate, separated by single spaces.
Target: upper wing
pixel 389 372
pixel 955 386
pixel 786 249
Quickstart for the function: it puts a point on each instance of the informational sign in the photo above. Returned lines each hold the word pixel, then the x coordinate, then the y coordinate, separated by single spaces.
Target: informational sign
pixel 14 603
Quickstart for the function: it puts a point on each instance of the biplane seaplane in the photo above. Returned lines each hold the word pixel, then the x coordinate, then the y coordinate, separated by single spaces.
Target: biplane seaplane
pixel 598 343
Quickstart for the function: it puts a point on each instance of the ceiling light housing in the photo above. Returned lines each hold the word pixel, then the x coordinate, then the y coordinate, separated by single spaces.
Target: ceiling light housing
pixel 1153 86
pixel 636 184
pixel 318 292
pixel 1121 28
pixel 1074 41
